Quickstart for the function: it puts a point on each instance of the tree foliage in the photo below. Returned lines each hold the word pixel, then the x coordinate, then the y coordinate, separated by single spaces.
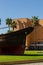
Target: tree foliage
pixel 35 20
pixel 10 23
pixel 13 25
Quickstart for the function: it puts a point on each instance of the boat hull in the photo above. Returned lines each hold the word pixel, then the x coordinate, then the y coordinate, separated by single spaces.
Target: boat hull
pixel 14 42
pixel 12 50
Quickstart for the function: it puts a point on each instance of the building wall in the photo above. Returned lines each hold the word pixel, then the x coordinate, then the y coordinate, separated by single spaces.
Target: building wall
pixel 36 37
pixel 22 23
pixel 28 40
pixel 37 33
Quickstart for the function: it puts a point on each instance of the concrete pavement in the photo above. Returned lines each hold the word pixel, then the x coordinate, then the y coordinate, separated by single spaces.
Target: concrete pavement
pixel 40 63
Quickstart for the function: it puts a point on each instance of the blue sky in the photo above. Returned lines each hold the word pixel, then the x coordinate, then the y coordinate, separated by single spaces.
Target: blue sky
pixel 20 9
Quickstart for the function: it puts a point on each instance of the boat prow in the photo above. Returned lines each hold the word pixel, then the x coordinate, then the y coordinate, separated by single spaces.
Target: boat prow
pixel 14 42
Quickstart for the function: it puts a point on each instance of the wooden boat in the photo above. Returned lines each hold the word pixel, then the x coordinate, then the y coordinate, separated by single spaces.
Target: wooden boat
pixel 14 42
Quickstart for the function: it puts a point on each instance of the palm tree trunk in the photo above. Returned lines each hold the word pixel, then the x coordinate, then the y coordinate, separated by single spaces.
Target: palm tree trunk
pixel 9 27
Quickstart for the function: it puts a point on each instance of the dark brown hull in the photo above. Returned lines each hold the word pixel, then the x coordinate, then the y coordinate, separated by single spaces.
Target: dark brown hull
pixel 14 43
pixel 12 50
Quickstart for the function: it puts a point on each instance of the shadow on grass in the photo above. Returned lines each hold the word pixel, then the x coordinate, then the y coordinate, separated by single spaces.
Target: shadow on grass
pixel 31 55
pixel 26 55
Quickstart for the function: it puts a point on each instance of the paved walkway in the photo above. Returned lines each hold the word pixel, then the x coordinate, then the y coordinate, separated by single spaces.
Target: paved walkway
pixel 34 62
pixel 40 63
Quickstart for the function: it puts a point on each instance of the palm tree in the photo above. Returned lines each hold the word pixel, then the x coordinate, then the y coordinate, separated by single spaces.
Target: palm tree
pixel 35 20
pixel 35 23
pixel 9 22
pixel 13 25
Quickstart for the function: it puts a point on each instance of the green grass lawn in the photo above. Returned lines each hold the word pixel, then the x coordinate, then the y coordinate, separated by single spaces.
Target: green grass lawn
pixel 34 52
pixel 18 58
pixel 5 58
